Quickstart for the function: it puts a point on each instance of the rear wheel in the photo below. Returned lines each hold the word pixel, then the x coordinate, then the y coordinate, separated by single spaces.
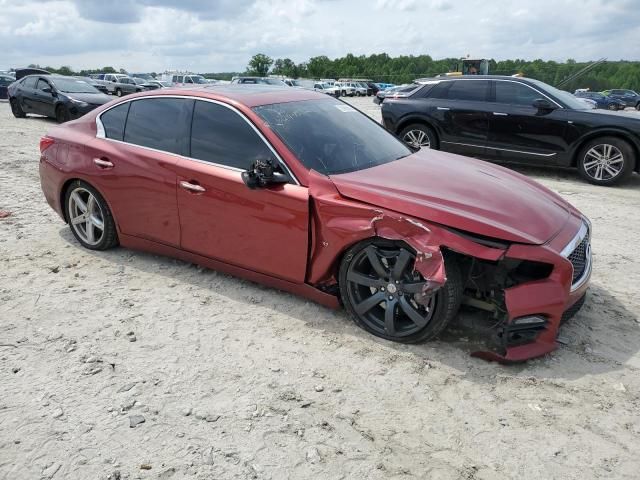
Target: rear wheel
pixel 16 109
pixel 118 92
pixel 606 161
pixel 89 217
pixel 383 293
pixel 62 114
pixel 613 106
pixel 638 106
pixel 419 136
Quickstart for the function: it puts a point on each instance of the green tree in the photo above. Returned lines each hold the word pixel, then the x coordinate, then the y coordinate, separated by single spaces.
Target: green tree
pixel 259 65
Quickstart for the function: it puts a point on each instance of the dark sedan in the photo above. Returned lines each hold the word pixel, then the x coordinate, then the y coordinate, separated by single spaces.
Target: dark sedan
pixel 602 101
pixel 520 120
pixel 59 97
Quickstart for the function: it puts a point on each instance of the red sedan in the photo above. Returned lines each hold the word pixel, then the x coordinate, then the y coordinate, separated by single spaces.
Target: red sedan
pixel 300 191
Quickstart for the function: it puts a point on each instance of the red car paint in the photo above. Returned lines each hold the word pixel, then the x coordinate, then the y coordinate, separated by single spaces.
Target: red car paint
pixel 304 229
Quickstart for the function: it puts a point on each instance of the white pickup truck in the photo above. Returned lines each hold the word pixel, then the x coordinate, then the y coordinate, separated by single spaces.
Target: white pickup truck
pixel 345 88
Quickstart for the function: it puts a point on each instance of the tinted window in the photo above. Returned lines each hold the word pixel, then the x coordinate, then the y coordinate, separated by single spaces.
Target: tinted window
pixel 30 82
pixel 220 135
pixel 42 85
pixel 440 90
pixel 331 137
pixel 160 123
pixel 114 120
pixel 469 90
pixel 515 94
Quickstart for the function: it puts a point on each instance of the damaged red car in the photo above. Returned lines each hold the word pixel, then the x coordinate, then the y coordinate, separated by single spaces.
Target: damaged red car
pixel 300 191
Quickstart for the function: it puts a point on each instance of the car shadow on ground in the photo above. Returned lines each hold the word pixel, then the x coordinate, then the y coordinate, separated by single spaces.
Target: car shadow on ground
pixel 602 337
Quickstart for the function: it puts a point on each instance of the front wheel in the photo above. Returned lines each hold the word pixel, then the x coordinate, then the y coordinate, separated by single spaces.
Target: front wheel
pixel 62 114
pixel 638 107
pixel 383 293
pixel 606 161
pixel 89 217
pixel 419 136
pixel 118 92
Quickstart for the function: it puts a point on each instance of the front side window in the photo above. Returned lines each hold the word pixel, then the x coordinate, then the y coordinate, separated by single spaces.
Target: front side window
pixel 331 137
pixel 42 85
pixel 469 90
pixel 160 123
pixel 113 121
pixel 220 135
pixel 515 94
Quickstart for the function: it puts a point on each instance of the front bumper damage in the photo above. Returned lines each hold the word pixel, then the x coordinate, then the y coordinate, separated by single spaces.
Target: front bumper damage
pixel 530 313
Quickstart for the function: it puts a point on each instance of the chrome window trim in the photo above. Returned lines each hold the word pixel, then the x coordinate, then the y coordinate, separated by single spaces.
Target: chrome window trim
pixel 100 133
pixel 496 80
pixel 585 231
pixel 502 149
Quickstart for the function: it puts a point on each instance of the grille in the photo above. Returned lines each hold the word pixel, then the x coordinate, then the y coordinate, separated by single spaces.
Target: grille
pixel 578 259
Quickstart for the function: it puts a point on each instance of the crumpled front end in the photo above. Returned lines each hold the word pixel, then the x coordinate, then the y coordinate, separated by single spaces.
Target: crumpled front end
pixel 525 289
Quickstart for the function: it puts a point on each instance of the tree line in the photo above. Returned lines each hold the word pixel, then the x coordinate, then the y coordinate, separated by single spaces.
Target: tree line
pixel 406 68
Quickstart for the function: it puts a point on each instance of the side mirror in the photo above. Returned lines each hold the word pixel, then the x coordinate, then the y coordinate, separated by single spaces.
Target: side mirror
pixel 47 90
pixel 263 173
pixel 543 104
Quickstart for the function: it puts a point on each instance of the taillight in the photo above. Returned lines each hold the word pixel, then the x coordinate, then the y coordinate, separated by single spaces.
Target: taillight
pixel 46 142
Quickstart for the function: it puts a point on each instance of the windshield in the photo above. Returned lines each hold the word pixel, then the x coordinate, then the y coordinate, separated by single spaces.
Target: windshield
pixel 330 136
pixel 69 85
pixel 567 98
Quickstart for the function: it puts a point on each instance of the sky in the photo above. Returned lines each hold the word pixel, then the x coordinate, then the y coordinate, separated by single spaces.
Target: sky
pixel 222 35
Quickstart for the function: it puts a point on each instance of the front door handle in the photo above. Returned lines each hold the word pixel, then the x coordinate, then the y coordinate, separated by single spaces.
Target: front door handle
pixel 102 163
pixel 500 114
pixel 192 187
pixel 444 108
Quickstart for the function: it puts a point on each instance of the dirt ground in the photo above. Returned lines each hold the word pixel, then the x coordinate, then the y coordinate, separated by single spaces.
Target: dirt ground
pixel 237 381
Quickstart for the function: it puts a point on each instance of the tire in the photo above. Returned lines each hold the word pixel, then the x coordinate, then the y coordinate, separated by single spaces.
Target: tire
pixel 612 106
pixel 62 114
pixel 16 109
pixel 118 92
pixel 601 157
pixel 343 93
pixel 401 326
pixel 638 106
pixel 418 135
pixel 102 237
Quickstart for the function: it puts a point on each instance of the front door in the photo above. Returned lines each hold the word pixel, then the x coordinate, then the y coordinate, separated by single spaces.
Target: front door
pixel 520 132
pixel 265 230
pixel 44 102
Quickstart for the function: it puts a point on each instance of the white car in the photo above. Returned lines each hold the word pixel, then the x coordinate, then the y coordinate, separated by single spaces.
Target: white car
pixel 345 89
pixel 361 89
pixel 326 88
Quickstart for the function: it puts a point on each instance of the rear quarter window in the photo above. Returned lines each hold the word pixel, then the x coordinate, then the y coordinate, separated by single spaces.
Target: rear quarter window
pixel 114 120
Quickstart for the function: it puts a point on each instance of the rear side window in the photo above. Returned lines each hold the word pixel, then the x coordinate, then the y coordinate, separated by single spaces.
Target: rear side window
pixel 114 121
pixel 220 135
pixel 159 123
pixel 30 82
pixel 515 94
pixel 469 90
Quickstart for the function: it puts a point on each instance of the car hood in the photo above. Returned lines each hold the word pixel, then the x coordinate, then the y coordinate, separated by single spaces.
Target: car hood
pixel 461 193
pixel 92 98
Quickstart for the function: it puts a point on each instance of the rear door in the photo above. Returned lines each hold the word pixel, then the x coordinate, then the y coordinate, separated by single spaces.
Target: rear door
pixel 520 132
pixel 265 230
pixel 135 164
pixel 462 113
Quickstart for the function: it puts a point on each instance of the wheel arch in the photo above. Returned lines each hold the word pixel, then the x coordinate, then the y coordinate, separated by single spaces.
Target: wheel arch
pixel 617 133
pixel 63 192
pixel 408 120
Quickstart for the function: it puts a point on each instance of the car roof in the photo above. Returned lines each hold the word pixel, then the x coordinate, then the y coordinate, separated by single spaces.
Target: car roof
pixel 471 77
pixel 250 95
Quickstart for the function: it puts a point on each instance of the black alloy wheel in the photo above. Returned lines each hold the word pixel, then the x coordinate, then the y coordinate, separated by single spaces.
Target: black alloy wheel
pixel 384 294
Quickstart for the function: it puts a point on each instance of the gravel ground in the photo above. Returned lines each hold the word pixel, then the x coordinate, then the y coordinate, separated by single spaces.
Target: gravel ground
pixel 121 364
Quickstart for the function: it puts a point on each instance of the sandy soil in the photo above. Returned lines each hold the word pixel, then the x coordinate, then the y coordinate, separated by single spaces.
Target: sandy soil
pixel 234 380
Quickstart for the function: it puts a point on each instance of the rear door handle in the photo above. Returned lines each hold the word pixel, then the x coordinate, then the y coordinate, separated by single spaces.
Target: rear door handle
pixel 444 108
pixel 192 187
pixel 102 163
pixel 500 114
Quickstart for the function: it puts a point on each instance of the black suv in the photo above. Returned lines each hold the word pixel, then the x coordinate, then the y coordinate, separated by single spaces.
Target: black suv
pixel 512 119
